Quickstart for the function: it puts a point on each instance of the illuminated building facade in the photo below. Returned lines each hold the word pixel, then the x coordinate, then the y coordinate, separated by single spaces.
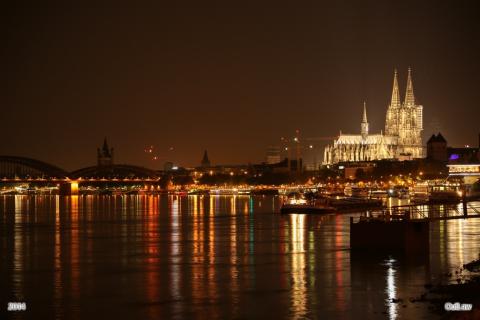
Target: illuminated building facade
pixel 402 139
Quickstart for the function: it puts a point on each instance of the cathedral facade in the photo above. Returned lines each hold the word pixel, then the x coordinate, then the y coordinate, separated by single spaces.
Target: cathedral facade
pixel 402 138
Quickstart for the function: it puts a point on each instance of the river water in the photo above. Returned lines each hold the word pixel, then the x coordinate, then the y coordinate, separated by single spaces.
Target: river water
pixel 207 257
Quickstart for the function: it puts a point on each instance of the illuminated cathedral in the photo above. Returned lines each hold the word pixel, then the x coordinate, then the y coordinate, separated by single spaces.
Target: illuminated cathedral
pixel 402 138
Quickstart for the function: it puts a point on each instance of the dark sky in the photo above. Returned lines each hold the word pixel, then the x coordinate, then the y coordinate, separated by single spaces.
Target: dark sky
pixel 230 78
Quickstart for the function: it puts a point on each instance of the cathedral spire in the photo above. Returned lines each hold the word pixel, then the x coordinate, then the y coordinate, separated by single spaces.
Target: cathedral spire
pixel 409 97
pixel 364 112
pixel 364 125
pixel 205 161
pixel 395 92
pixel 105 154
pixel 105 145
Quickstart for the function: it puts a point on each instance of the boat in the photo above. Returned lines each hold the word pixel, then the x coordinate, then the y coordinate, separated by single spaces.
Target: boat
pixel 353 203
pixel 298 203
pixel 306 208
pixel 198 192
pixel 267 191
pixel 179 192
pixel 419 193
pixel 445 193
pixel 444 196
pixel 399 192
pixel 355 191
pixel 378 194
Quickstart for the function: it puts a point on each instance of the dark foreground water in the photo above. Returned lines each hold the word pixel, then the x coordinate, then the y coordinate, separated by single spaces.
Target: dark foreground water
pixel 218 257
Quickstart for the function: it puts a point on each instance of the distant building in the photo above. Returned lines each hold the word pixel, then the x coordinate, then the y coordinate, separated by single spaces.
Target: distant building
pixel 464 163
pixel 104 155
pixel 463 155
pixel 205 161
pixel 437 148
pixel 466 154
pixel 168 166
pixel 402 139
pixel 355 170
pixel 273 155
pixel 106 168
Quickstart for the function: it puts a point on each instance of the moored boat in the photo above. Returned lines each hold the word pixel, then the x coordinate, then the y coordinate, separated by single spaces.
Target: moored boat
pixel 306 208
pixel 298 203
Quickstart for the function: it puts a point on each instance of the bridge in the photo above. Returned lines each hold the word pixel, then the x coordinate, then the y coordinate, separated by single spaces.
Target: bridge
pixel 12 166
pixel 22 170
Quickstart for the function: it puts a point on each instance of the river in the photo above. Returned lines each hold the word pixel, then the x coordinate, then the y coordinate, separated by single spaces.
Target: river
pixel 207 257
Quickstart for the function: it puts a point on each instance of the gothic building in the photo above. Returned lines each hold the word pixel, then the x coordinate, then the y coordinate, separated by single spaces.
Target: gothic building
pixel 104 155
pixel 402 138
pixel 205 161
pixel 405 121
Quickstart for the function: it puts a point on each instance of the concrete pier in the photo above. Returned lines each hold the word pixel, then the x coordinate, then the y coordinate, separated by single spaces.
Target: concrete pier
pixel 68 188
pixel 383 235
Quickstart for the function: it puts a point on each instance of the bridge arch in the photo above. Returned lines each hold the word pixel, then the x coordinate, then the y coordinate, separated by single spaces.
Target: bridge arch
pixel 22 167
pixel 114 171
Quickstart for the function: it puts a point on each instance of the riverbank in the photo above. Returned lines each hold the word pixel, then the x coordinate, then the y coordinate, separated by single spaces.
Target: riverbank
pixel 459 294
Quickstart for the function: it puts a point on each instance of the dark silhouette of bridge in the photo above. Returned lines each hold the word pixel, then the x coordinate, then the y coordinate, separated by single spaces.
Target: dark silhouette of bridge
pixel 28 169
pixel 16 170
pixel 21 167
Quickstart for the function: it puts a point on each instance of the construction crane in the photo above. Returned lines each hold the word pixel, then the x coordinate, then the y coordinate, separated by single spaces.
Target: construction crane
pixel 296 140
pixel 321 138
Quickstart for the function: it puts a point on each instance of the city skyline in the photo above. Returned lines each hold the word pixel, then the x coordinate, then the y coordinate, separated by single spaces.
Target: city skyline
pixel 230 80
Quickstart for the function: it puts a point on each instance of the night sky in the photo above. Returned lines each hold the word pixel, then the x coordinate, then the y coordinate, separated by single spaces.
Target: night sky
pixel 230 78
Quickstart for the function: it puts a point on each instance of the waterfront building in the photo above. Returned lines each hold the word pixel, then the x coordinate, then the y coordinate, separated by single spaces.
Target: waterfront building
pixel 437 148
pixel 402 139
pixel 466 154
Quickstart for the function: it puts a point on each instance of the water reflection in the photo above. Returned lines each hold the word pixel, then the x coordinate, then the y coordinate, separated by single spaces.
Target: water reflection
pixel 391 290
pixel 21 206
pixel 297 268
pixel 198 252
pixel 57 260
pixel 234 272
pixel 211 270
pixel 152 249
pixel 74 249
pixel 175 253
pixel 213 256
pixel 339 271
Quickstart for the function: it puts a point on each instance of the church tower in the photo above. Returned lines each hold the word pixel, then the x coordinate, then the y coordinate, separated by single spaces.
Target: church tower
pixel 391 122
pixel 410 124
pixel 364 125
pixel 205 161
pixel 405 121
pixel 105 155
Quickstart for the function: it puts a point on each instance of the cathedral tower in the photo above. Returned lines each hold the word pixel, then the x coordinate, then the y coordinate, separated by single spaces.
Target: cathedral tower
pixel 410 124
pixel 403 132
pixel 364 125
pixel 391 122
